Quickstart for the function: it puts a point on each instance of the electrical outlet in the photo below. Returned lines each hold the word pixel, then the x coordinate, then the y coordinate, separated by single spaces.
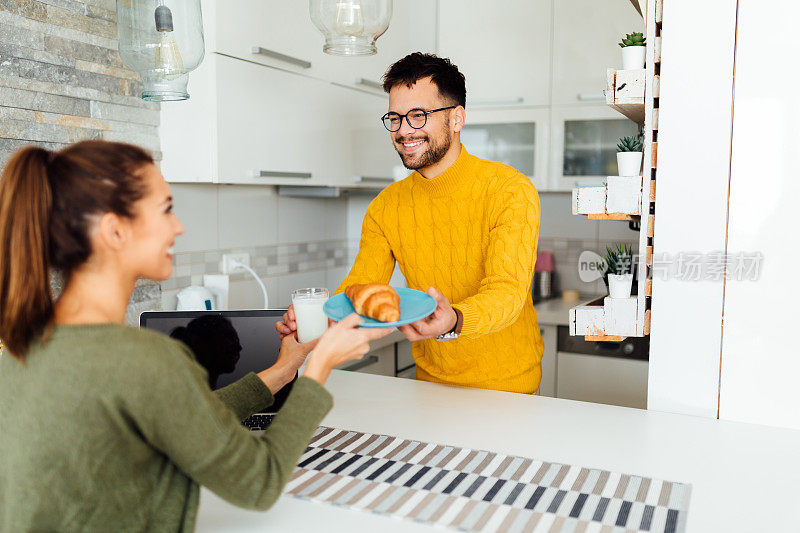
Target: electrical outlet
pixel 228 258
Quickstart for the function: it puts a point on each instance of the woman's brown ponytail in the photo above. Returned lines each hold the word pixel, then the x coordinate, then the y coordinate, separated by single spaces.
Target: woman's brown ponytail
pixel 47 200
pixel 26 301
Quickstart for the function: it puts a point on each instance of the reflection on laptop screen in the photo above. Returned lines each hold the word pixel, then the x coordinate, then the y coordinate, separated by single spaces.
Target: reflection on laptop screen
pixel 229 344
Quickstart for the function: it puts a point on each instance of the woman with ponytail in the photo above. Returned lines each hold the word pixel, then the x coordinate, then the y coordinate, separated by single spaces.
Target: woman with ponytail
pixel 109 428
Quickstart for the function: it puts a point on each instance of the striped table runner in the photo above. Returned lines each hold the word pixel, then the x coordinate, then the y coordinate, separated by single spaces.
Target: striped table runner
pixel 475 490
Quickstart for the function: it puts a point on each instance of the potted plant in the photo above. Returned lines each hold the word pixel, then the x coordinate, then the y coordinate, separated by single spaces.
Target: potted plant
pixel 633 51
pixel 618 270
pixel 629 156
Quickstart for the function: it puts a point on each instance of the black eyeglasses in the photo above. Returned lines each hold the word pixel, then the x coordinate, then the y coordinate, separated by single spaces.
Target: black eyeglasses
pixel 416 118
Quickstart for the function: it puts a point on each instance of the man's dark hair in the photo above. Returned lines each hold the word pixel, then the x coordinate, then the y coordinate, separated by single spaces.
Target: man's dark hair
pixel 442 72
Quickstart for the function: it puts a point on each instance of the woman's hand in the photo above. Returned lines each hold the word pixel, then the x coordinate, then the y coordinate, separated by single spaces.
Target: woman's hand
pixel 341 343
pixel 291 357
pixel 287 326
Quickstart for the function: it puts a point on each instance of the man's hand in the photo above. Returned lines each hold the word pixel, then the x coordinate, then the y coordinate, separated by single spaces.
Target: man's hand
pixel 288 326
pixel 442 320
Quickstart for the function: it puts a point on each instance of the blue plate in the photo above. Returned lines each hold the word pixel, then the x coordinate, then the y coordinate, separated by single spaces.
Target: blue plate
pixel 414 305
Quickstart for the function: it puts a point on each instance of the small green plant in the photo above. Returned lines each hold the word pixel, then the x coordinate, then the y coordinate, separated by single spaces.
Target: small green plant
pixel 629 144
pixel 632 39
pixel 619 259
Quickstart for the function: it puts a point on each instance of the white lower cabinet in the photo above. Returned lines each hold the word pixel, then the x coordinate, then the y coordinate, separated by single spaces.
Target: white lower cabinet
pixel 379 362
pixel 599 379
pixel 406 367
pixel 392 360
pixel 547 386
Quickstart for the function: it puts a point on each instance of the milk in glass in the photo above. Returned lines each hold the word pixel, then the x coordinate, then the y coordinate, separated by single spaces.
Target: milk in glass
pixel 311 319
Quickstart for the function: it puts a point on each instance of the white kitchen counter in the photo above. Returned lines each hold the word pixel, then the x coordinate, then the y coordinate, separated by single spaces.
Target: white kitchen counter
pixel 744 477
pixel 555 312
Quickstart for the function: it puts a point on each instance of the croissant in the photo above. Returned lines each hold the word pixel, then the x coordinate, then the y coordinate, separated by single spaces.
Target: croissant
pixel 375 300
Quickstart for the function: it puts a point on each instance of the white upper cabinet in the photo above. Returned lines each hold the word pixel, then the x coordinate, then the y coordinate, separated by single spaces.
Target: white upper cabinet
pixel 372 152
pixel 272 32
pixel 502 48
pixel 584 145
pixel 256 119
pixel 188 129
pixel 280 33
pixel 277 127
pixel 585 37
pixel 517 137
pixel 251 124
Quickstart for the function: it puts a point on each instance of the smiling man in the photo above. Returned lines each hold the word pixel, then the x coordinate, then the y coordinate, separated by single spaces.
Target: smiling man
pixel 461 228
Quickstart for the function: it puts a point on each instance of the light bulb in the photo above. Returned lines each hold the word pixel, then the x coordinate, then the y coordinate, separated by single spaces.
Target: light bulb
pixel 349 18
pixel 168 62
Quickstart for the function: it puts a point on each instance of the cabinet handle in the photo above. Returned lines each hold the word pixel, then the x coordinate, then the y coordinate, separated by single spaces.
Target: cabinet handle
pixel 495 101
pixel 367 361
pixel 591 96
pixel 369 83
pixel 280 174
pixel 281 57
pixel 373 179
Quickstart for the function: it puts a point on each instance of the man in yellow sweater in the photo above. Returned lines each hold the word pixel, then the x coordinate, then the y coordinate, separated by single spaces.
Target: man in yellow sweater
pixel 461 228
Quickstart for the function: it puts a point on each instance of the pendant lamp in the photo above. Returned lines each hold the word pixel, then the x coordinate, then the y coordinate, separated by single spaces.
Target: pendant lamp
pixel 162 40
pixel 351 27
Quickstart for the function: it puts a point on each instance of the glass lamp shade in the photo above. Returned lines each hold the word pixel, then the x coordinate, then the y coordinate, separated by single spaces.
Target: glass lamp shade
pixel 351 27
pixel 162 40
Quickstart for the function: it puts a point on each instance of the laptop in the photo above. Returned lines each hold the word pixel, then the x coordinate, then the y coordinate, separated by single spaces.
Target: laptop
pixel 229 344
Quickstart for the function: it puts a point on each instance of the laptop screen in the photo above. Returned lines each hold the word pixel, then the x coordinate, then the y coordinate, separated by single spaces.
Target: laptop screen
pixel 229 344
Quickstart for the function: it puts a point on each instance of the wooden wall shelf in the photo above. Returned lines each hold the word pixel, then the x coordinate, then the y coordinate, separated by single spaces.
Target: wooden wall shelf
pixel 634 93
pixel 613 216
pixel 625 92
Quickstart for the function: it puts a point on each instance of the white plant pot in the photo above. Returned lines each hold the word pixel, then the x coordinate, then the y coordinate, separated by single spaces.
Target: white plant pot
pixel 633 57
pixel 629 163
pixel 619 285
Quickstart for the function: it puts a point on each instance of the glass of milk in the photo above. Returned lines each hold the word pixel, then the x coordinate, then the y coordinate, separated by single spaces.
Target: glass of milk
pixel 311 319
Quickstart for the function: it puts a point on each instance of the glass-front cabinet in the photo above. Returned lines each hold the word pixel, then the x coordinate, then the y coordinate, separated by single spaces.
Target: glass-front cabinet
pixel 517 137
pixel 584 145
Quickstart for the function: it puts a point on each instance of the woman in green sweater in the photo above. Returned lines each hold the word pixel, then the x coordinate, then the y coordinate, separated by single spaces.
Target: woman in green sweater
pixel 109 428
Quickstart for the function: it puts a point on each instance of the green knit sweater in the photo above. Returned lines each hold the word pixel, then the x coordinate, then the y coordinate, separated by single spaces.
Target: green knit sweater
pixel 110 428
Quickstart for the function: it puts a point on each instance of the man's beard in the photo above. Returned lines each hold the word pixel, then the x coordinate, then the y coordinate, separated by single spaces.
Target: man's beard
pixel 432 155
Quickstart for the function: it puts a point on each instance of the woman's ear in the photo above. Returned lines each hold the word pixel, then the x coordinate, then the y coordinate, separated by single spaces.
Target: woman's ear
pixel 114 231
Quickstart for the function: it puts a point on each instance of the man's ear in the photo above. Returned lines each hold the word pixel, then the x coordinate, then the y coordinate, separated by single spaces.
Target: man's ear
pixel 457 118
pixel 114 231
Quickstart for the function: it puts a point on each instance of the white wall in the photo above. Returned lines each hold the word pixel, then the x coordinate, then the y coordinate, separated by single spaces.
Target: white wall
pixel 691 207
pixel 760 360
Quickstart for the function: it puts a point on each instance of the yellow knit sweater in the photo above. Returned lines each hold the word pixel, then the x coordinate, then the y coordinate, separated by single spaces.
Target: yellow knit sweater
pixel 471 233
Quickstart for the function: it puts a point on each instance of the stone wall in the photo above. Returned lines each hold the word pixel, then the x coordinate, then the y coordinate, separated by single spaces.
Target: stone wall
pixel 62 80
